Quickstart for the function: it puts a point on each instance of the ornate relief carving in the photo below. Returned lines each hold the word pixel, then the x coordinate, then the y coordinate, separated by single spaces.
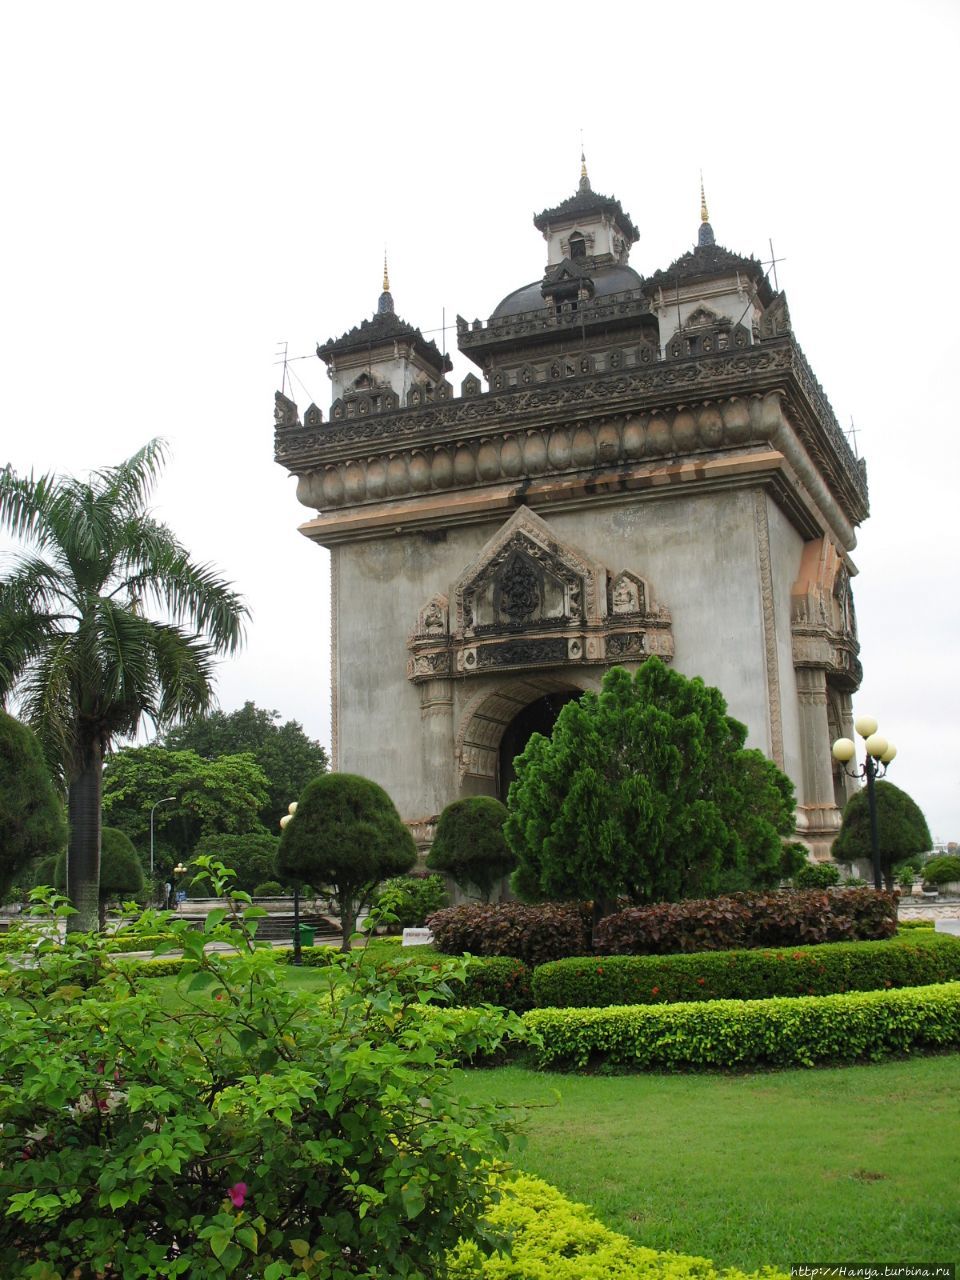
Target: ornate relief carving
pixel 628 594
pixel 530 600
pixel 824 625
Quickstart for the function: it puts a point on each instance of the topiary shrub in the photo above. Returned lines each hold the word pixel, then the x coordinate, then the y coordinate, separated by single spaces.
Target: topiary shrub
pixel 499 980
pixel 941 870
pixel 346 836
pixel 589 982
pixel 470 845
pixel 734 1034
pixel 902 830
pixel 533 934
pixel 32 821
pixel 552 1237
pixel 269 889
pixel 411 899
pixel 217 1143
pixel 749 920
pixel 817 875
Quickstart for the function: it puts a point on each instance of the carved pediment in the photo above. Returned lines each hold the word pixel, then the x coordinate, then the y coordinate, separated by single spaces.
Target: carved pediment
pixel 532 600
pixel 526 577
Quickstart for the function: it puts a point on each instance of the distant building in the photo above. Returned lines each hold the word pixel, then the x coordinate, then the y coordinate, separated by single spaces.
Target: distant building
pixel 649 466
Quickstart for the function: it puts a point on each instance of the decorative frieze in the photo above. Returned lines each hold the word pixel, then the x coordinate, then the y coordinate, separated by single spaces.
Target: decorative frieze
pixel 530 600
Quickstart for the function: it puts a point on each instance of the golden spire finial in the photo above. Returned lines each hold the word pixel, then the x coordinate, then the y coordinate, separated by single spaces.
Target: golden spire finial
pixel 386 277
pixel 584 180
pixel 704 216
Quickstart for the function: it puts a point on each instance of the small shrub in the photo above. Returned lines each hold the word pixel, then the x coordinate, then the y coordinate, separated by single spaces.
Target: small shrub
pixel 726 1034
pixel 915 924
pixel 470 845
pixel 411 899
pixel 534 934
pixel 595 981
pixel 744 920
pixel 218 1143
pixel 817 875
pixel 498 980
pixel 551 1236
pixel 941 870
pixel 269 889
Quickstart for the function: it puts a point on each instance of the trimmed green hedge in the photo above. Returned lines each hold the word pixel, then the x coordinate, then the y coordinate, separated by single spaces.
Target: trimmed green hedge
pixel 723 1034
pixel 553 1238
pixel 593 981
pixel 915 924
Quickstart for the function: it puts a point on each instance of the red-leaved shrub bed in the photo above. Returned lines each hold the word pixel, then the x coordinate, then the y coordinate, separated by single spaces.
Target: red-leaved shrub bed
pixel 534 935
pixel 747 920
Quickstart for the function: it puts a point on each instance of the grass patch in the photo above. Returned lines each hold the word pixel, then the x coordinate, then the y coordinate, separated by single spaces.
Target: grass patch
pixel 837 1164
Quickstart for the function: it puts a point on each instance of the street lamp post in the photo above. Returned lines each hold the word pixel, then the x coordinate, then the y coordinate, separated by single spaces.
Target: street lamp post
pixel 878 754
pixel 178 870
pixel 297 955
pixel 165 800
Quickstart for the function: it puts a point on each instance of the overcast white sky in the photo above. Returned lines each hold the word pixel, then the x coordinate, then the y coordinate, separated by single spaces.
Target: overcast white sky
pixel 186 185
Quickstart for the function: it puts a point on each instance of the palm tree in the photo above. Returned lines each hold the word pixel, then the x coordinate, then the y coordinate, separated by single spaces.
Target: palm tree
pixel 77 649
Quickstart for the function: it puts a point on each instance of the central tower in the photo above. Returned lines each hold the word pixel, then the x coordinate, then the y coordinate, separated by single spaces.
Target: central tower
pixel 648 467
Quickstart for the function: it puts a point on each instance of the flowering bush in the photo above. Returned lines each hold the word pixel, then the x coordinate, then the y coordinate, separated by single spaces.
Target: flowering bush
pixel 255 1131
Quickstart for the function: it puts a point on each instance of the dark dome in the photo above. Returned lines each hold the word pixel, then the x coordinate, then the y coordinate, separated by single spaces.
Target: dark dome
pixel 606 280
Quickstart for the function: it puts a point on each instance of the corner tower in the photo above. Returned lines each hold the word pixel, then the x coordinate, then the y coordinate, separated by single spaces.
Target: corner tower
pixel 651 468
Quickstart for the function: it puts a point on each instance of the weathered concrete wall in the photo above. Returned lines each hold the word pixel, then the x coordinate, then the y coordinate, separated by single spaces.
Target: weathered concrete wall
pixel 699 553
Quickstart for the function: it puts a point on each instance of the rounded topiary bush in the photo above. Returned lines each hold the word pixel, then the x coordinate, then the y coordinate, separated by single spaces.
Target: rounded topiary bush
pixel 817 875
pixel 269 889
pixel 470 845
pixel 941 870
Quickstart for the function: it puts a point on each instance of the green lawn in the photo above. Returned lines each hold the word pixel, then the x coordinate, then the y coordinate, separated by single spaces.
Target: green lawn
pixel 844 1164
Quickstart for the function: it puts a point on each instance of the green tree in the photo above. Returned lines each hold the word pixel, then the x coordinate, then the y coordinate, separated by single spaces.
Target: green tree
pixel 346 836
pixel 470 844
pixel 251 857
pixel 288 758
pixel 644 790
pixel 77 645
pixel 121 875
pixel 32 821
pixel 901 827
pixel 210 798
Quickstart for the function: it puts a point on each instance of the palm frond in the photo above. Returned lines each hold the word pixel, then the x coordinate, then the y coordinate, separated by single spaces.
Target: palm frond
pixel 127 487
pixel 25 503
pixel 47 703
pixel 33 583
pixel 196 596
pixel 184 669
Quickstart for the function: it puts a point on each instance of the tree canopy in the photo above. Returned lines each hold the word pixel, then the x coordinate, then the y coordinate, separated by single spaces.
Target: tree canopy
pixel 78 647
pixel 645 791
pixel 252 857
pixel 288 758
pixel 901 827
pixel 470 844
pixel 210 798
pixel 346 836
pixel 32 821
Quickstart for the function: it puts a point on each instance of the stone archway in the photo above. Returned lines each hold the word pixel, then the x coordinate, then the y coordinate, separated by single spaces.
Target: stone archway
pixel 518 708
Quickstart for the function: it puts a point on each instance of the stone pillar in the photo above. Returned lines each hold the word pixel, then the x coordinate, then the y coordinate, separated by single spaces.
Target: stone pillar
pixel 817 809
pixel 437 744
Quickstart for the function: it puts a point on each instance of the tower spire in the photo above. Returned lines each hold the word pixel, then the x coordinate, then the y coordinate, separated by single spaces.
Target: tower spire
pixel 584 180
pixel 386 298
pixel 705 234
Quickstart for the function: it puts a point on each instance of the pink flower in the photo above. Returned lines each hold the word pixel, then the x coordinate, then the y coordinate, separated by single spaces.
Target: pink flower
pixel 238 1193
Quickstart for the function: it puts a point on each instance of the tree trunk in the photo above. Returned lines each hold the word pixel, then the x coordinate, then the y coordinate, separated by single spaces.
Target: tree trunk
pixel 348 920
pixel 83 849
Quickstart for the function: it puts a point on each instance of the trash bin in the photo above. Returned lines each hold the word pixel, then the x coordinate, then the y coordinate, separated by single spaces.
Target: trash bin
pixel 307 935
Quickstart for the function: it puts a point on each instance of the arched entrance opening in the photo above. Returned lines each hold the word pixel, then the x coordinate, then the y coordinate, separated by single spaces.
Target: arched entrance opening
pixel 496 725
pixel 538 717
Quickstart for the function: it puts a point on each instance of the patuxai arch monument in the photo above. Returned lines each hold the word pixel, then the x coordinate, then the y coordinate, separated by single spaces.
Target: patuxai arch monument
pixel 646 465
